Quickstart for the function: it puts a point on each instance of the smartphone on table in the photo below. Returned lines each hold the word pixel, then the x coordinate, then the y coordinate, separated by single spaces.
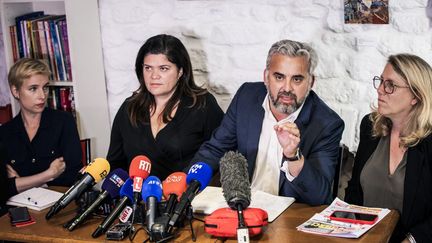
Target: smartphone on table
pixel 354 217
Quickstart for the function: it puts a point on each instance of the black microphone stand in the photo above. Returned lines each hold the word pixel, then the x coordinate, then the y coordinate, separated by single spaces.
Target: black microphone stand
pixel 161 232
pixel 190 217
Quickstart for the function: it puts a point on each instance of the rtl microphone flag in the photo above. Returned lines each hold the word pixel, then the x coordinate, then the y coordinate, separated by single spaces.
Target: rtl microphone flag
pixel 126 193
pixel 151 194
pixel 110 187
pixel 94 172
pixel 173 187
pixel 236 188
pixel 199 175
pixel 139 170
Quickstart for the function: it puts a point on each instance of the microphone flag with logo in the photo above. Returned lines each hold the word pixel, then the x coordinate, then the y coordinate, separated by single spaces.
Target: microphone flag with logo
pixel 93 173
pixel 151 194
pixel 139 170
pixel 173 187
pixel 199 175
pixel 126 194
pixel 110 187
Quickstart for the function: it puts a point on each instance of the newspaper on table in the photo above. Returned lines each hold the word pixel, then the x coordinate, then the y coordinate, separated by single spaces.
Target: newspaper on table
pixel 321 224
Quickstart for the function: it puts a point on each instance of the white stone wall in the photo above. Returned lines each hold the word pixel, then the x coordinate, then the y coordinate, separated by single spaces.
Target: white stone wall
pixel 4 87
pixel 228 42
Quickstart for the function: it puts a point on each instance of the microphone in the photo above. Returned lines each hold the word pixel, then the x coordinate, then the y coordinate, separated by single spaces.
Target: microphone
pixel 151 194
pixel 111 187
pixel 139 170
pixel 125 194
pixel 94 172
pixel 173 187
pixel 199 175
pixel 234 178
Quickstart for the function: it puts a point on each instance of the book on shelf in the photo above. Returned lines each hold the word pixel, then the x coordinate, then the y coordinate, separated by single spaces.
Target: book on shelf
pixel 43 37
pixel 65 48
pixel 58 50
pixel 20 30
pixel 15 54
pixel 61 98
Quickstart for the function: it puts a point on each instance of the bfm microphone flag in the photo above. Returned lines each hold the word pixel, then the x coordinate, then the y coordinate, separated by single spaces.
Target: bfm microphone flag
pixel 94 172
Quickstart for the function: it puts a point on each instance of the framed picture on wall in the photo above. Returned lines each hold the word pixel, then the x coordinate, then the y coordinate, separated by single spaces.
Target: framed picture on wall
pixel 366 11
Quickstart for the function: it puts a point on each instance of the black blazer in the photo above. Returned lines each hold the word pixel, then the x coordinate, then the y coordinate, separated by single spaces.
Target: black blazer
pixel 57 136
pixel 416 217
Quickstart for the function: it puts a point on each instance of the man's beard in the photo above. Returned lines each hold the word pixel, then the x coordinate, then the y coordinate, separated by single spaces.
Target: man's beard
pixel 285 108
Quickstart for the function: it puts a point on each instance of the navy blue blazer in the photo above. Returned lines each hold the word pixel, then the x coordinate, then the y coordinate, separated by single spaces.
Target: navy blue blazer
pixel 416 215
pixel 321 131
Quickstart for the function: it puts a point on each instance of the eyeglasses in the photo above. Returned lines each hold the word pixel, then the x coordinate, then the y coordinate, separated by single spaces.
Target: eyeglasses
pixel 389 86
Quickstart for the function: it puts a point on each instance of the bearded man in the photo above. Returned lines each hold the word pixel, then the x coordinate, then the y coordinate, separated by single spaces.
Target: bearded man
pixel 288 135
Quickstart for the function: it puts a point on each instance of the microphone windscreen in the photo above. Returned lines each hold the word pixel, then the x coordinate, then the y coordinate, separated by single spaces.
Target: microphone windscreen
pixel 174 184
pixel 140 167
pixel 200 172
pixel 114 182
pixel 98 169
pixel 152 187
pixel 234 178
pixel 127 190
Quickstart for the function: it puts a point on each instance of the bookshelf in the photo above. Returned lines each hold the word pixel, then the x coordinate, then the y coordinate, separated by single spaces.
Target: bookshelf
pixel 88 78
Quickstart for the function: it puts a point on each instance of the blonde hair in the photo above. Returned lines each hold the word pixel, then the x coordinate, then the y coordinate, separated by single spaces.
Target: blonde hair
pixel 25 68
pixel 417 73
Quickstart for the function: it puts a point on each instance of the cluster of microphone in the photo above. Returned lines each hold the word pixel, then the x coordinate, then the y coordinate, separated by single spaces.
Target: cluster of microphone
pixel 179 189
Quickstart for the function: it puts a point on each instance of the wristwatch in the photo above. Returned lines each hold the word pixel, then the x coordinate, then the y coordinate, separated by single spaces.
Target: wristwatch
pixel 296 157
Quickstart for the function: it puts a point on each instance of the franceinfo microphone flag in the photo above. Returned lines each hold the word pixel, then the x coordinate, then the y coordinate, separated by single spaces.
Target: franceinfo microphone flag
pixel 126 194
pixel 234 178
pixel 110 187
pixel 173 187
pixel 151 194
pixel 93 173
pixel 198 177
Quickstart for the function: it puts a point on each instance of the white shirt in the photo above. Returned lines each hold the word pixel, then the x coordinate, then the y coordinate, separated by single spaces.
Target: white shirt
pixel 269 156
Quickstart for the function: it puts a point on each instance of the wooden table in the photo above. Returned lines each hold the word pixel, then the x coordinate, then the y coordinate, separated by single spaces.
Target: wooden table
pixel 283 229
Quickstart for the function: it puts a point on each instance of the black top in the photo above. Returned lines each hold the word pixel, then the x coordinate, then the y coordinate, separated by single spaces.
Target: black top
pixel 6 189
pixel 174 145
pixel 56 136
pixel 416 217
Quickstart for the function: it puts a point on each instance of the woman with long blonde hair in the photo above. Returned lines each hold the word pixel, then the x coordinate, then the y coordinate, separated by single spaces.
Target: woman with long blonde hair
pixel 393 165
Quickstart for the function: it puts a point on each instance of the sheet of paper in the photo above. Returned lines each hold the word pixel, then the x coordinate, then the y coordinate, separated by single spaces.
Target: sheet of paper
pixel 212 198
pixel 321 223
pixel 36 198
